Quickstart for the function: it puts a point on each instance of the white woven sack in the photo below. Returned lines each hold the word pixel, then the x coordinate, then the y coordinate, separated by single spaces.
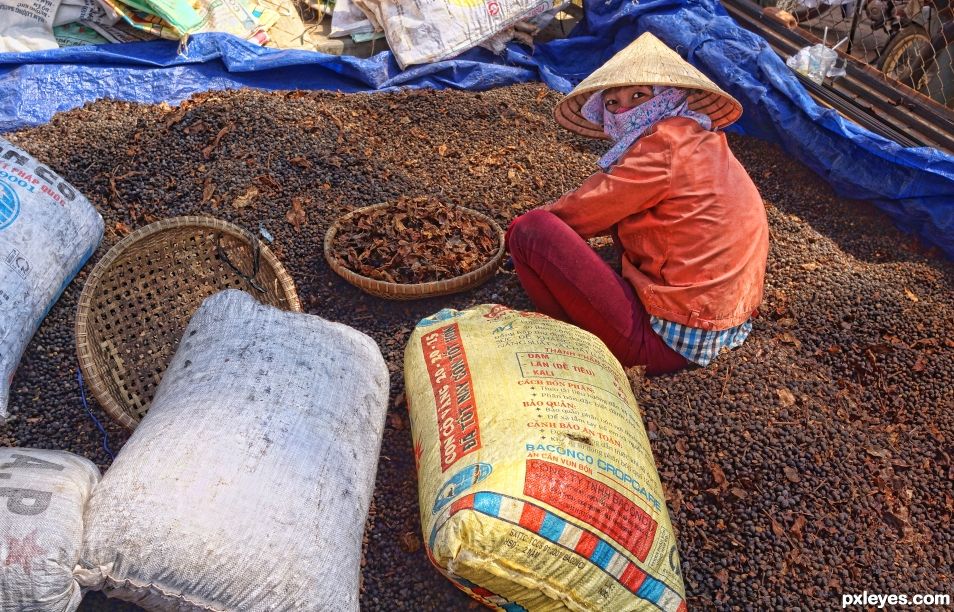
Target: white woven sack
pixel 42 497
pixel 47 232
pixel 246 486
pixel 347 19
pixel 427 31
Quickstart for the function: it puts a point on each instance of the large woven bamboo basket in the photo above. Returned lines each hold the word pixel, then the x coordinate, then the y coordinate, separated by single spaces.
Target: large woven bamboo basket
pixel 415 291
pixel 142 293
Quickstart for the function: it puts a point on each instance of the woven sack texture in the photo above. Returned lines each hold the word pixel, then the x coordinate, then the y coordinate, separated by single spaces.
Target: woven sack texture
pixel 537 483
pixel 247 484
pixel 47 232
pixel 42 496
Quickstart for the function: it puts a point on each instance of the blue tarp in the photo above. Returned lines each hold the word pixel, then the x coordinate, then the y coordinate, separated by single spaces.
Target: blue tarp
pixel 914 185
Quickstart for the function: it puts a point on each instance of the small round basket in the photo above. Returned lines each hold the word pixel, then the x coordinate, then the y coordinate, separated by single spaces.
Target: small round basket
pixel 140 296
pixel 414 291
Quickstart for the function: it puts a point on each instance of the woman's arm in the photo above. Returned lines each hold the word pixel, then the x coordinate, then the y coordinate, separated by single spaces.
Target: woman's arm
pixel 639 181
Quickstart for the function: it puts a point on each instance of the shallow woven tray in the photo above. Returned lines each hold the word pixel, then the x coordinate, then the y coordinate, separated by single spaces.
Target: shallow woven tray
pixel 142 293
pixel 414 291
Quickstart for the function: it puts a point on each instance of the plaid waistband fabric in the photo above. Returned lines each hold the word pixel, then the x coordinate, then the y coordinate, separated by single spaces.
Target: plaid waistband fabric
pixel 699 345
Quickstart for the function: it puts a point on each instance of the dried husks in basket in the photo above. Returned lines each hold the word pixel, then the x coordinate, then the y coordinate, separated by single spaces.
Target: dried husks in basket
pixel 414 240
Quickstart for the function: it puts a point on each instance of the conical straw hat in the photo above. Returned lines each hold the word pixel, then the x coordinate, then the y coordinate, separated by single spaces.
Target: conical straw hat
pixel 647 61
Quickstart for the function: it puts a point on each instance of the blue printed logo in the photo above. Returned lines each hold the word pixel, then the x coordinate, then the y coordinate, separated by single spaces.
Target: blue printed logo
pixel 460 482
pixel 444 315
pixel 9 206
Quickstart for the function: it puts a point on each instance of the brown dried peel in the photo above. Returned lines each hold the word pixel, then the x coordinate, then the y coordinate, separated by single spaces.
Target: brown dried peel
pixel 414 240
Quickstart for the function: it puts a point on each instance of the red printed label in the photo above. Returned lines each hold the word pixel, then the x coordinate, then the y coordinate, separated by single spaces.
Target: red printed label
pixel 453 393
pixel 593 503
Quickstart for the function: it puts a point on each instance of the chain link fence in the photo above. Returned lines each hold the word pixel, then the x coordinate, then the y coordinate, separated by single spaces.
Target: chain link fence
pixel 910 41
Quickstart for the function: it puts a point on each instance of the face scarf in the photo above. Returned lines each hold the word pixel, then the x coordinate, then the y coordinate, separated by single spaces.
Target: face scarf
pixel 625 127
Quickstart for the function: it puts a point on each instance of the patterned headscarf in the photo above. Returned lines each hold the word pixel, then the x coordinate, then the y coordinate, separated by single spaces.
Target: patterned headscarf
pixel 625 127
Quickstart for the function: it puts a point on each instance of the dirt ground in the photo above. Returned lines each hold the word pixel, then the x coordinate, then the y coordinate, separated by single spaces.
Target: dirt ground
pixel 813 461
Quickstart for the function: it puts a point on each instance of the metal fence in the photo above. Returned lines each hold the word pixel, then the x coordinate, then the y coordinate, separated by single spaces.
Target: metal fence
pixel 910 41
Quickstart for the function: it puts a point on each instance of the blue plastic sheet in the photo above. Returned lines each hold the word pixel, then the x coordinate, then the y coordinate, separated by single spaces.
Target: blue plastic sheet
pixel 913 185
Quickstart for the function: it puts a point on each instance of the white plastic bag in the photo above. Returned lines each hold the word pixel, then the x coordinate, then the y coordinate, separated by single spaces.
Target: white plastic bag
pixel 42 496
pixel 817 62
pixel 247 484
pixel 47 232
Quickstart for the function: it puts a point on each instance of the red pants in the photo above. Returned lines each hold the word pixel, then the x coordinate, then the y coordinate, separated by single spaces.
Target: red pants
pixel 567 280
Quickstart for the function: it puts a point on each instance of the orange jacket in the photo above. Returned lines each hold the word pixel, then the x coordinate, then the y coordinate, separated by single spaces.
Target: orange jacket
pixel 689 219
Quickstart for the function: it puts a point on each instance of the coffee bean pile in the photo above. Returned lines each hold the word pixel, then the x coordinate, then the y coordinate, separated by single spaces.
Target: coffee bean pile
pixel 813 461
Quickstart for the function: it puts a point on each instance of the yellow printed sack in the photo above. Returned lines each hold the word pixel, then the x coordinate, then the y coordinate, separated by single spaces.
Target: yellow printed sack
pixel 538 488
